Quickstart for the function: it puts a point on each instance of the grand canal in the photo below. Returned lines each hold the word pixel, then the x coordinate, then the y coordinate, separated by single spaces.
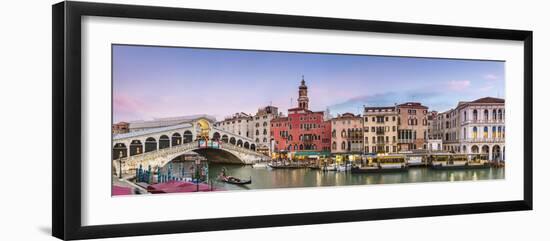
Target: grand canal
pixel 264 178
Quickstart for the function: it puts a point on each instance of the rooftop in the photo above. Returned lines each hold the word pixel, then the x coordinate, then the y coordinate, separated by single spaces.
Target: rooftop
pixel 412 105
pixel 168 121
pixel 488 100
pixel 150 131
pixel 379 108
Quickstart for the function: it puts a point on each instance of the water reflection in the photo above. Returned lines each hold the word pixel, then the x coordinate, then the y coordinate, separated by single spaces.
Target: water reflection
pixel 263 178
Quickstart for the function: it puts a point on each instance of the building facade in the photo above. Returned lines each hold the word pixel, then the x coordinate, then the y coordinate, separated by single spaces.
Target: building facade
pixel 238 124
pixel 261 127
pixel 413 126
pixel 303 130
pixel 120 128
pixel 380 128
pixel 347 137
pixel 475 127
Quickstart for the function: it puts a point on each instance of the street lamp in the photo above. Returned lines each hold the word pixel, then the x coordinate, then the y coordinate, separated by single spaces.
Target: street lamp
pixel 120 164
pixel 197 171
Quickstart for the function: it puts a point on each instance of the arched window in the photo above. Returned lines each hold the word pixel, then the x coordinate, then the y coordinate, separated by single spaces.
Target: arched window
pixel 150 144
pixel 333 145
pixel 136 147
pixel 464 133
pixel 119 151
pixel 500 114
pixel 485 132
pixel 265 131
pixel 301 147
pixel 164 141
pixel 499 132
pixel 485 114
pixel 475 149
pixel 465 116
pixel 494 117
pixel 187 137
pixel 176 139
pixel 265 140
pixel 474 132
pixel 343 145
pixel 494 134
pixel 257 132
pixel 343 134
pixel 265 124
pixel 334 133
pixel 475 115
pixel 216 136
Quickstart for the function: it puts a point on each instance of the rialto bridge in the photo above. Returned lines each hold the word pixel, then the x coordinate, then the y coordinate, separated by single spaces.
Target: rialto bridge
pixel 158 146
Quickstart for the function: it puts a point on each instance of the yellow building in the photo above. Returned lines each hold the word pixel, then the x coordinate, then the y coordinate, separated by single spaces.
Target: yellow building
pixel 380 129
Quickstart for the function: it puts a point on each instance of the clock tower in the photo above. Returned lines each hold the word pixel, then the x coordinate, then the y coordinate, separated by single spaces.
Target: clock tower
pixel 303 100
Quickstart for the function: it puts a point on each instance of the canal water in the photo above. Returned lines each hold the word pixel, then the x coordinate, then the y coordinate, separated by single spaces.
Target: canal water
pixel 263 178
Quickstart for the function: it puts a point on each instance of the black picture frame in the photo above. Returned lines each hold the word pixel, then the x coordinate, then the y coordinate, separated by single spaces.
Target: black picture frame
pixel 67 137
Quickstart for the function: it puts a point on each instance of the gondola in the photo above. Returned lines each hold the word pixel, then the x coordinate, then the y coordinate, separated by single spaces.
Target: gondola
pixel 234 180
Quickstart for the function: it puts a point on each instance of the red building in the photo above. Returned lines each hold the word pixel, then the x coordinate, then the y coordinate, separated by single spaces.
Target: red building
pixel 303 131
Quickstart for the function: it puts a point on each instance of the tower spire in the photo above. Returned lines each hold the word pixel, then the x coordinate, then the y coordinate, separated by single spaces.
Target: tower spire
pixel 303 100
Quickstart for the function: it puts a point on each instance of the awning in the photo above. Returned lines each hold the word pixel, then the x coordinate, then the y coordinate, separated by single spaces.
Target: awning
pixel 312 153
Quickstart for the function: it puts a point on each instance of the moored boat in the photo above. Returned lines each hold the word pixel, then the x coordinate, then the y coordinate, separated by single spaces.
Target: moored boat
pixel 457 161
pixel 288 166
pixel 415 161
pixel 330 167
pixel 383 163
pixel 343 168
pixel 260 165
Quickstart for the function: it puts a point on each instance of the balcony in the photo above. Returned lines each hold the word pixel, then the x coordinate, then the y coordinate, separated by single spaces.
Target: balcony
pixel 405 141
pixel 484 140
pixel 482 121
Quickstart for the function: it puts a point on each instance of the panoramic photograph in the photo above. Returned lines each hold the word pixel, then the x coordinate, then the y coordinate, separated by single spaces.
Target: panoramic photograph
pixel 188 120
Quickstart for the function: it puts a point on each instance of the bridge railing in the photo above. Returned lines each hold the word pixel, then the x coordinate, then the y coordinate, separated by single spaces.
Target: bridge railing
pixel 230 146
pixel 182 148
pixel 163 152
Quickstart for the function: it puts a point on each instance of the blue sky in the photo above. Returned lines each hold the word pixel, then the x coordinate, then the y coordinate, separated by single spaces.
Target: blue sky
pixel 153 82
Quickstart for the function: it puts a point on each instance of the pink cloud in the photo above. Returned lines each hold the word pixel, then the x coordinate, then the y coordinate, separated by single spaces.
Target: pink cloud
pixel 490 77
pixel 458 84
pixel 125 103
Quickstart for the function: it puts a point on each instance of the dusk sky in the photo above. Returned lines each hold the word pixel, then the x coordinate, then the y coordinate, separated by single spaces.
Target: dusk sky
pixel 151 82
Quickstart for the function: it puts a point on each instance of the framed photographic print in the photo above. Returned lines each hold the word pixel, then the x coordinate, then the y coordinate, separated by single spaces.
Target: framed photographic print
pixel 170 120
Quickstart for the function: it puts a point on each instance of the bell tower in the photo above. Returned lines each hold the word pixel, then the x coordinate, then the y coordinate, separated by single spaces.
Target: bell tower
pixel 303 100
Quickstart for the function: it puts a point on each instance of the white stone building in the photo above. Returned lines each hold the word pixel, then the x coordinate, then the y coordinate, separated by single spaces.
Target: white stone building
pixel 473 127
pixel 261 126
pixel 238 124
